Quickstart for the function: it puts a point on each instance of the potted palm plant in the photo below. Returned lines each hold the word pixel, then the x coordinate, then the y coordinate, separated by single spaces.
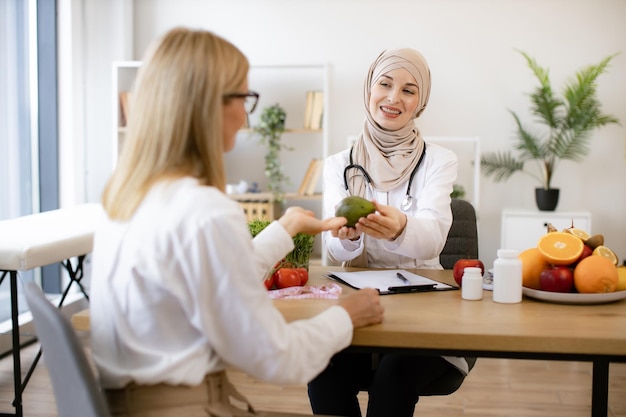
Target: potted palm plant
pixel 568 122
pixel 270 129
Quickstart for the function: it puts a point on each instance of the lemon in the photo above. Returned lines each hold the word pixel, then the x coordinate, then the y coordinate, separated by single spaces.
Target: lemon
pixel 578 233
pixel 621 278
pixel 606 252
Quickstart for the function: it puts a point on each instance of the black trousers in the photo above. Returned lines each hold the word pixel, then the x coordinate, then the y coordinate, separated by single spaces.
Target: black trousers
pixel 393 384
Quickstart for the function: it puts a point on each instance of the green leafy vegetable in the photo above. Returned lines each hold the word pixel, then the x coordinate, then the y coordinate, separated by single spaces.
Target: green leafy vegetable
pixel 303 244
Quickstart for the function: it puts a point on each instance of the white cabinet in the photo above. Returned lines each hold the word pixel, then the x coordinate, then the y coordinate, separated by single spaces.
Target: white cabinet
pixel 521 229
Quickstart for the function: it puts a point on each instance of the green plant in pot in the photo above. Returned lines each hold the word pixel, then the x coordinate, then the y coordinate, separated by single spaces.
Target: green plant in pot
pixel 458 191
pixel 270 129
pixel 567 124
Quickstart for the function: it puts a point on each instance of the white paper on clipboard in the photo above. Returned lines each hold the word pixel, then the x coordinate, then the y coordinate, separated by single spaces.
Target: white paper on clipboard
pixel 384 279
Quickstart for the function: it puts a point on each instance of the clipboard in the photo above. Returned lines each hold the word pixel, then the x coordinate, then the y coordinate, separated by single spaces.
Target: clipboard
pixel 386 281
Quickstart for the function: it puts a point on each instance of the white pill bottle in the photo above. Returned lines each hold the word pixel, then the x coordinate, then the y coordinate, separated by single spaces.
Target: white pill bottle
pixel 472 288
pixel 507 277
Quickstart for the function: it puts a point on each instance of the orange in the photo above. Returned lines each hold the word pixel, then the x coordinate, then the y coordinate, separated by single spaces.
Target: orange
pixel 533 263
pixel 606 252
pixel 560 248
pixel 595 274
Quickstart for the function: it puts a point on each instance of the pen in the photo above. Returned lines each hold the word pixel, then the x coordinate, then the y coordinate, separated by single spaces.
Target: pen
pixel 403 278
pixel 412 288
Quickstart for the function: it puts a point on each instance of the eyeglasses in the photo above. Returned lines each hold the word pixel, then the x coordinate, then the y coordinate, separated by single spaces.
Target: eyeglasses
pixel 251 98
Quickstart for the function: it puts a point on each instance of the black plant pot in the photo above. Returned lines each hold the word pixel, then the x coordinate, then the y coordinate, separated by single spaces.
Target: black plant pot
pixel 547 200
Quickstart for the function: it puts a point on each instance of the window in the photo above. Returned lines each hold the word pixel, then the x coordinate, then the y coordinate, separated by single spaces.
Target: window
pixel 28 122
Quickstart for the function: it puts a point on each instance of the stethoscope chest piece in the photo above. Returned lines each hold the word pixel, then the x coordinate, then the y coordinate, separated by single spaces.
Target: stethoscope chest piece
pixel 407 203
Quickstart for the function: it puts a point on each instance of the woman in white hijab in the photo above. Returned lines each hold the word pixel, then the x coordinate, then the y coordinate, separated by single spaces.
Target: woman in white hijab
pixel 410 182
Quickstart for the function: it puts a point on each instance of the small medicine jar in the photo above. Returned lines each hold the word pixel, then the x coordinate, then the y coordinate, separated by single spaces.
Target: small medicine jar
pixel 472 284
pixel 507 277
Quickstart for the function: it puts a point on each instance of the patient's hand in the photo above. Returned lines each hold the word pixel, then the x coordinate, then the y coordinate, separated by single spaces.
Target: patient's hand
pixel 363 307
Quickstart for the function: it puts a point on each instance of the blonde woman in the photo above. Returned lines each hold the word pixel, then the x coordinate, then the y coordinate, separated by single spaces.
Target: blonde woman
pixel 177 291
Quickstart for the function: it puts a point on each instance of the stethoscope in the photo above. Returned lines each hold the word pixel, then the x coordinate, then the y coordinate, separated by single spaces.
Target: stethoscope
pixel 407 202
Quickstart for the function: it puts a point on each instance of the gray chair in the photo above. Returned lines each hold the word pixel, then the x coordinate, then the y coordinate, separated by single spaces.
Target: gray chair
pixel 75 387
pixel 462 242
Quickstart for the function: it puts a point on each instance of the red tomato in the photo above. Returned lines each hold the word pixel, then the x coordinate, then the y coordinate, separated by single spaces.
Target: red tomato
pixel 304 275
pixel 287 277
pixel 269 281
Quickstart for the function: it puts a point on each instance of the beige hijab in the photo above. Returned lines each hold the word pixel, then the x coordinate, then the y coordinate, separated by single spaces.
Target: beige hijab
pixel 390 156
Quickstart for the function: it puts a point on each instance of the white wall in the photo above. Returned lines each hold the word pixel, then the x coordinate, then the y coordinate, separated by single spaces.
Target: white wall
pixel 477 75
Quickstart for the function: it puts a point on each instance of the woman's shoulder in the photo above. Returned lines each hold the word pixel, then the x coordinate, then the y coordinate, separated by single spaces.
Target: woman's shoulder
pixel 189 189
pixel 439 152
pixel 340 158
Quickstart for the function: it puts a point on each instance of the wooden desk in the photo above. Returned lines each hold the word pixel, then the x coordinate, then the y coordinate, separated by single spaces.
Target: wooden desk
pixel 443 323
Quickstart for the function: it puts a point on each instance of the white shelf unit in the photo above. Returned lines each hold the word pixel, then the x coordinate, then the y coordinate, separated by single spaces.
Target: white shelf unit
pixel 521 229
pixel 286 85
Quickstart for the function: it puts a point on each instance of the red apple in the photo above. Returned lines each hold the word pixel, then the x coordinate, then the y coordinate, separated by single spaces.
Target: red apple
pixel 586 252
pixel 461 264
pixel 557 279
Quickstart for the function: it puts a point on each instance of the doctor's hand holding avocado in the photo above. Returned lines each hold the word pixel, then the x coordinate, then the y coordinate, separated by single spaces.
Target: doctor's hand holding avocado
pixel 376 220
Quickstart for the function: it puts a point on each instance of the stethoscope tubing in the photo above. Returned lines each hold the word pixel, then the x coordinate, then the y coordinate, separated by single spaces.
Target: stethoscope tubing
pixel 368 179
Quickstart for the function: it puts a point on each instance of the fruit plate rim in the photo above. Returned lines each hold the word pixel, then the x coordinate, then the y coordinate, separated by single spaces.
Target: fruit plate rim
pixel 569 298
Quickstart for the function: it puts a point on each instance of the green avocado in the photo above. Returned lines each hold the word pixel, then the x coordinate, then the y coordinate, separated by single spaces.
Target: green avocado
pixel 353 208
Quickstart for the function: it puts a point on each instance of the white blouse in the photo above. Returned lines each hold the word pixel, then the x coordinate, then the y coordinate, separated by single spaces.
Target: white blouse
pixel 177 293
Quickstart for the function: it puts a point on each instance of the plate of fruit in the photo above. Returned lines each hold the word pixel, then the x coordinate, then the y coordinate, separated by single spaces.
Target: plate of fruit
pixel 572 267
pixel 574 298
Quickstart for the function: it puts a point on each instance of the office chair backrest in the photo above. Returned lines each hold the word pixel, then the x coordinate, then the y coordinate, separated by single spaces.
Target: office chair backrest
pixel 462 242
pixel 74 384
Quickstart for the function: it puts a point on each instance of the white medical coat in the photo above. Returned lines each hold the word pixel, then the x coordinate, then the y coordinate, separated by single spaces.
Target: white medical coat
pixel 428 221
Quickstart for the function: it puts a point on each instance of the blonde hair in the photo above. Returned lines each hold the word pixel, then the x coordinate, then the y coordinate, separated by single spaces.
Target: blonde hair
pixel 175 127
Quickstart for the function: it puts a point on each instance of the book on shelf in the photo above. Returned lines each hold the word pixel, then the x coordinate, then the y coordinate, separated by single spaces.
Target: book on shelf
pixel 314 110
pixel 124 98
pixel 311 177
pixel 307 109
